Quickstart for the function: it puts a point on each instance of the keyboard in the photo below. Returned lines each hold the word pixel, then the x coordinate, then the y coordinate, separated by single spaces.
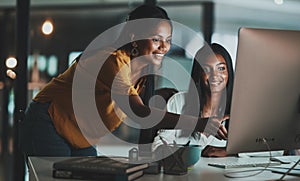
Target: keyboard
pixel 239 164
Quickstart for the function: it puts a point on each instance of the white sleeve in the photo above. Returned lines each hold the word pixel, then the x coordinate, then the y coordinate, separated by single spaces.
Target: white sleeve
pixel 168 136
pixel 176 103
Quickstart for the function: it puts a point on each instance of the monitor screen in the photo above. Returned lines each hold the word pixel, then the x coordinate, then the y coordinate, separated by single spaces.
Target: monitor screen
pixel 266 93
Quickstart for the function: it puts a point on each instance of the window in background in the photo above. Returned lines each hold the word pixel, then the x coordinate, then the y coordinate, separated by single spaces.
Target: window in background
pixel 42 62
pixel 229 42
pixel 41 69
pixel 30 62
pixel 52 65
pixel 72 57
pixel 182 53
pixel 11 107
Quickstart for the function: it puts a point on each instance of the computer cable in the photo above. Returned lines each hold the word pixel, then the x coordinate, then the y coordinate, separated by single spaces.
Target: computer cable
pixel 231 174
pixel 289 170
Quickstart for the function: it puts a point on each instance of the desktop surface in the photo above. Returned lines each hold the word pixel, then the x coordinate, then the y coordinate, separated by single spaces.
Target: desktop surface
pixel 40 168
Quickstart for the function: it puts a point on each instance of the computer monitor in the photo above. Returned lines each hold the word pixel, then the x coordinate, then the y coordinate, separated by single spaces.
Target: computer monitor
pixel 266 93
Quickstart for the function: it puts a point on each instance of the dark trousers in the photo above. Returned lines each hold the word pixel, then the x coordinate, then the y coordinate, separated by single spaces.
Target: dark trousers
pixel 38 136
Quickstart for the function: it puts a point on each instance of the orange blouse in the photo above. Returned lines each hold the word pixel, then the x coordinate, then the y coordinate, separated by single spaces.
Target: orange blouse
pixel 59 93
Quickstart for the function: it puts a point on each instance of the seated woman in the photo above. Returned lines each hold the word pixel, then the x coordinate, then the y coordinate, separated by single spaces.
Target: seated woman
pixel 212 74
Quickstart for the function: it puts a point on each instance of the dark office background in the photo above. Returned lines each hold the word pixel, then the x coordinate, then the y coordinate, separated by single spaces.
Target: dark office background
pixel 78 22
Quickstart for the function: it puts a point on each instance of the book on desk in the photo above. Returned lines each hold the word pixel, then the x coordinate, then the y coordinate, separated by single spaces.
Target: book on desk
pixel 115 168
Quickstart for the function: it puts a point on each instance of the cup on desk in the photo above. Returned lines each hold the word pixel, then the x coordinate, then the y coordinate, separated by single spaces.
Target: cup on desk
pixel 173 162
pixel 179 157
pixel 191 154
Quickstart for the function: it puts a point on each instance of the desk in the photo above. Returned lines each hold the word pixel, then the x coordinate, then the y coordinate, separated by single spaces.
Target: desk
pixel 40 169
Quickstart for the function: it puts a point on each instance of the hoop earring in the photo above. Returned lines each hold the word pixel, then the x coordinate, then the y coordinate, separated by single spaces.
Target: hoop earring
pixel 134 51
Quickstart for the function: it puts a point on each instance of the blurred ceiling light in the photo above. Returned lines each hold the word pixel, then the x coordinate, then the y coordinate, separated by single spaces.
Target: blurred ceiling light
pixel 279 2
pixel 47 27
pixel 11 62
pixel 10 73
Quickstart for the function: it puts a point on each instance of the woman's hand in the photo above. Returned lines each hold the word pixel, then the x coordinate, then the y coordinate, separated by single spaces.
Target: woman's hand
pixel 214 151
pixel 215 127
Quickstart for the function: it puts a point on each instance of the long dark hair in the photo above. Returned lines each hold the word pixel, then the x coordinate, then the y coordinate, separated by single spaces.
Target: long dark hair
pixel 198 74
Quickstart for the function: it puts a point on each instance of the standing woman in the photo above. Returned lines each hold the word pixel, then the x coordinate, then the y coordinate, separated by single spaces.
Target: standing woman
pixel 51 127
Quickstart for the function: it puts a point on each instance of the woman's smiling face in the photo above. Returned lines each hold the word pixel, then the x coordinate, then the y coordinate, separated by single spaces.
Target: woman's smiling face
pixel 216 73
pixel 157 45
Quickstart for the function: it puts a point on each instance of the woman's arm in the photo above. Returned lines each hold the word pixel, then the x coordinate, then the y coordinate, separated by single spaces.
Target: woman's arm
pixel 160 119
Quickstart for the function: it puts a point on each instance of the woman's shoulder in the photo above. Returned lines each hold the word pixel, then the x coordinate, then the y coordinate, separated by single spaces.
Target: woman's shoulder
pixel 106 53
pixel 179 95
pixel 121 55
pixel 110 57
pixel 176 102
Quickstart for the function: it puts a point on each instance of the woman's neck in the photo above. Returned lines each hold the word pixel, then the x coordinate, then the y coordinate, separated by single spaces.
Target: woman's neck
pixel 137 67
pixel 212 107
